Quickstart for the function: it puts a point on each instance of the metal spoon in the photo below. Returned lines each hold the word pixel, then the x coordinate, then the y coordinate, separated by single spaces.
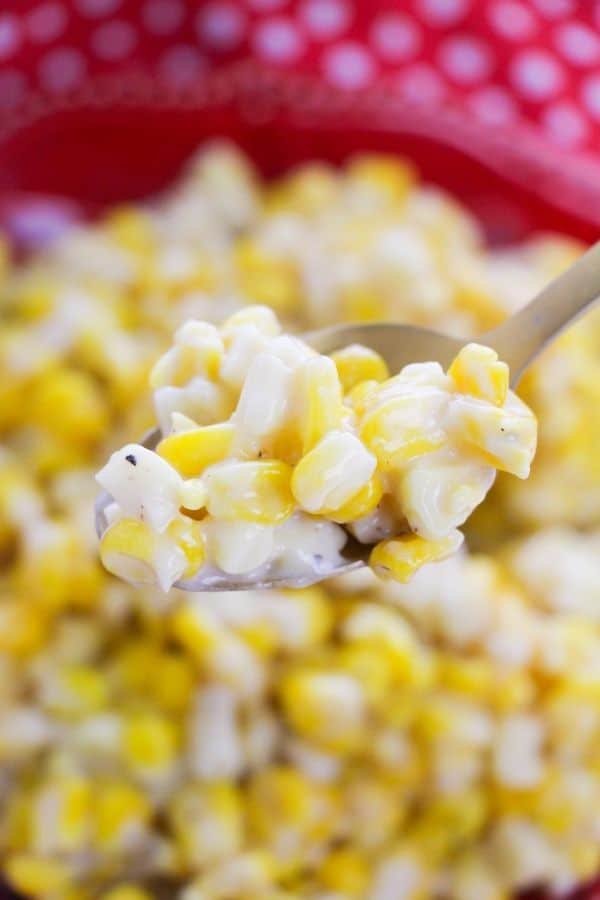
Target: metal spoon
pixel 518 340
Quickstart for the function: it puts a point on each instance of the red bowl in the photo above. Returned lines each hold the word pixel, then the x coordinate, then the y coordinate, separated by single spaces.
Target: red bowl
pixel 66 161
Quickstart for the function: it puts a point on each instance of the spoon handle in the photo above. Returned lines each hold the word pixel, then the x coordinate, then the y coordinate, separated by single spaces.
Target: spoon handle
pixel 522 336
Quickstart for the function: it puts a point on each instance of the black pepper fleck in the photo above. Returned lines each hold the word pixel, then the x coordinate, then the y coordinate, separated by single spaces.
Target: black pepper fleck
pixel 131 459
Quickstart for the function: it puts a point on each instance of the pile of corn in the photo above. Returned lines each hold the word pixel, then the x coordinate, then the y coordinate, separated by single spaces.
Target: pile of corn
pixel 289 450
pixel 386 742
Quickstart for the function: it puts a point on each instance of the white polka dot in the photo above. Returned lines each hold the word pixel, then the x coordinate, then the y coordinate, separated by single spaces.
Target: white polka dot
pixel 114 41
pixel 13 86
pixel 564 124
pixel 590 94
pixel 395 37
pixel 348 65
pixel 162 17
pixel 325 19
pixel 555 9
pixel 512 21
pixel 221 25
pixel 420 83
pixel 181 65
pixel 46 22
pixel 263 6
pixel 10 35
pixel 493 105
pixel 465 59
pixel 442 13
pixel 536 75
pixel 62 69
pixel 95 9
pixel 579 44
pixel 278 41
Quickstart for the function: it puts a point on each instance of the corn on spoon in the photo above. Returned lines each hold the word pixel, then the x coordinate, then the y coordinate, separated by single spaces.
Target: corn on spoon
pixel 518 340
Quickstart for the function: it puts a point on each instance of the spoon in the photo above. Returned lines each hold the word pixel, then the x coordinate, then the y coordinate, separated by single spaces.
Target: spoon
pixel 518 340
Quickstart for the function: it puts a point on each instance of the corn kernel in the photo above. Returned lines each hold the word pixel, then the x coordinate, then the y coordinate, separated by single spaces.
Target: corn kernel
pixel 346 871
pixel 149 741
pixel 320 392
pixel 36 875
pixel 361 504
pixel 191 452
pixel 400 557
pixel 332 473
pixel 126 892
pixel 476 370
pixel 250 491
pixel 356 364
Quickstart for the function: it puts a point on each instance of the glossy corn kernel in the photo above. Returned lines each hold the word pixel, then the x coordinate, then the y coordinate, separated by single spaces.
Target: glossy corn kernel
pixel 250 491
pixel 387 176
pixel 477 371
pixel 345 871
pixel 120 811
pixel 149 742
pixel 401 557
pixel 131 550
pixel 403 428
pixel 328 708
pixel 267 278
pixel 361 504
pixel 37 876
pixel 332 473
pixel 191 452
pixel 320 401
pixel 262 317
pixel 356 364
pixel 504 437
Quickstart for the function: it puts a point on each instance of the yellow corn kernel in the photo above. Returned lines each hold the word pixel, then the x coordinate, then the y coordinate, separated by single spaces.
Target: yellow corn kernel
pixel 281 797
pixel 120 808
pixel 503 437
pixel 129 546
pixel 174 681
pixel 196 630
pixel 389 176
pixel 127 892
pixel 357 363
pixel 472 677
pixel 363 502
pixel 345 871
pixel 188 538
pixel 403 428
pixel 269 279
pixel 361 395
pixel 476 370
pixel 320 400
pixel 251 491
pixel 36 875
pixel 326 707
pixel 190 452
pixel 262 317
pixel 132 229
pixel 361 303
pixel 400 557
pixel 149 741
pixel 80 690
pixel 69 405
pixel 332 473
pixel 23 628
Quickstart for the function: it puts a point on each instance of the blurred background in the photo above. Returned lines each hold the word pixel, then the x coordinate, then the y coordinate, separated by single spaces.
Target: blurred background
pixel 152 748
